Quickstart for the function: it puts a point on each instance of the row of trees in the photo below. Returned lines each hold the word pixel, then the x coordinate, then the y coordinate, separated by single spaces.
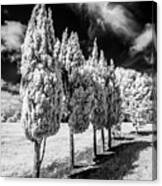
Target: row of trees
pixel 56 77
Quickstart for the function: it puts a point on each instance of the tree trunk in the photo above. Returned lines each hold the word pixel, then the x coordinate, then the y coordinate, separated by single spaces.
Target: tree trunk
pixel 71 149
pixel 37 163
pixel 103 139
pixel 94 142
pixel 109 138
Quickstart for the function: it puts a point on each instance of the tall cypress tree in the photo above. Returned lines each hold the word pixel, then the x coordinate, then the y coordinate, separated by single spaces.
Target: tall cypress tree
pixel 41 86
pixel 98 115
pixel 77 87
pixel 113 101
pixel 93 64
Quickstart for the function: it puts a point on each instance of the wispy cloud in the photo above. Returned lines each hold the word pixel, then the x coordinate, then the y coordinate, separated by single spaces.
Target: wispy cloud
pixel 114 17
pixel 143 40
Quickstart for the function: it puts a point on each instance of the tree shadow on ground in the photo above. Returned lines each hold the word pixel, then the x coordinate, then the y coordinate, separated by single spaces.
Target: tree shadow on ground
pixel 120 138
pixel 114 166
pixel 111 165
pixel 61 168
pixel 146 133
pixel 57 169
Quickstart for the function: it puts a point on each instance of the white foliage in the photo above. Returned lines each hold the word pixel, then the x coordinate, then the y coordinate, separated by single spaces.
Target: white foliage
pixel 41 86
pixel 136 91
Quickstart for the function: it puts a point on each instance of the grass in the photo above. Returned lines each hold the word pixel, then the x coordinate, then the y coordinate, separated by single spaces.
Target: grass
pixel 57 151
pixel 130 159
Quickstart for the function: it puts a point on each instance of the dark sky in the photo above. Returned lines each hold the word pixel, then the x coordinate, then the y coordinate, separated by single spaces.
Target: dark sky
pixel 116 26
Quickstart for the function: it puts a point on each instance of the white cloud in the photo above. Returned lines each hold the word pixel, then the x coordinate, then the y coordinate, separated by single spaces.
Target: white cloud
pixel 113 17
pixel 143 40
pixel 12 34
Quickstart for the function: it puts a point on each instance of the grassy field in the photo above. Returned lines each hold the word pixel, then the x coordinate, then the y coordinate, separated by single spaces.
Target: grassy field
pixel 130 158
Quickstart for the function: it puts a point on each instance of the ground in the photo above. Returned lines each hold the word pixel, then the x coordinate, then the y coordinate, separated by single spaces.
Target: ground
pixel 130 158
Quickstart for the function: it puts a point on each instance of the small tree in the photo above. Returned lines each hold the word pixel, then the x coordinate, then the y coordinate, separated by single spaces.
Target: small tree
pixel 79 104
pixel 41 85
pixel 107 102
pixel 93 64
pixel 113 101
pixel 98 114
pixel 104 73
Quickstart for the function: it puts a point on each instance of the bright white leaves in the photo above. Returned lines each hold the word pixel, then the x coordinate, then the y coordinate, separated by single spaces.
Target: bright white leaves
pixel 98 70
pixel 77 83
pixel 98 114
pixel 87 86
pixel 136 92
pixel 74 56
pixel 106 101
pixel 41 86
pixel 80 100
pixel 113 98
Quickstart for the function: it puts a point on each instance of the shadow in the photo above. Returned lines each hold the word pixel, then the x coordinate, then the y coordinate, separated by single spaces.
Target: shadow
pixel 14 92
pixel 155 145
pixel 113 164
pixel 58 169
pixel 101 158
pixel 146 133
pixel 79 166
pixel 120 138
pixel 116 165
pixel 61 168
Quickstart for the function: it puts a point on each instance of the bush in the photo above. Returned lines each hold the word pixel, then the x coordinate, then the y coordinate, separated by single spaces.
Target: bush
pixel 136 93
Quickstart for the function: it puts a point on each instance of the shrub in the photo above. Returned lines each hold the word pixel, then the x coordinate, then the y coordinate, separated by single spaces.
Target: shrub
pixel 136 91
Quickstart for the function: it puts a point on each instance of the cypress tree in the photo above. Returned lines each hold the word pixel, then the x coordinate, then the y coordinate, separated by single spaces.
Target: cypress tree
pixel 113 102
pixel 98 114
pixel 41 86
pixel 78 91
